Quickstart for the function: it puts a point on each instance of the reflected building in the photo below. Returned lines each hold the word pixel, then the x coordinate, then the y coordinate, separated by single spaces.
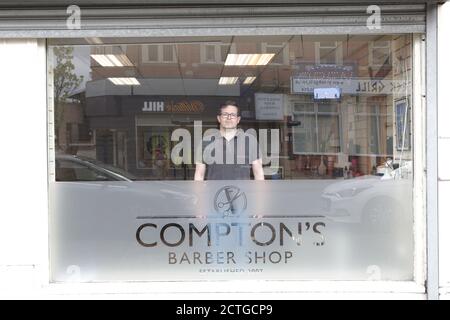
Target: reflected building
pixel 348 133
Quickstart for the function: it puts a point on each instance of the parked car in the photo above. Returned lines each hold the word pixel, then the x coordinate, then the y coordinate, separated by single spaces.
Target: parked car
pixel 78 168
pixel 377 202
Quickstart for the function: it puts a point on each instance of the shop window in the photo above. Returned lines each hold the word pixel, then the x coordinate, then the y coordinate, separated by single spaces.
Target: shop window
pixel 159 53
pixel 215 53
pixel 380 53
pixel 280 49
pixel 318 130
pixel 328 52
pixel 333 143
pixel 372 123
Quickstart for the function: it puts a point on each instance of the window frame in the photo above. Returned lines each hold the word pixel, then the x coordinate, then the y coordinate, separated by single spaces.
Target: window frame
pixel 414 288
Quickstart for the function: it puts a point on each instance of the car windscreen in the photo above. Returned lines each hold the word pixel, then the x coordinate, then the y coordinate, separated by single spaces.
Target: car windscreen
pixel 108 167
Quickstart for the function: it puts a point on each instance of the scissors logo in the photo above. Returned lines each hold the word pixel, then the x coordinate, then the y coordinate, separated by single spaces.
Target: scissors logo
pixel 230 201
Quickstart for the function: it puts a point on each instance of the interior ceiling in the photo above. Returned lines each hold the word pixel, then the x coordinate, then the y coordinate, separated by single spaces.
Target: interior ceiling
pixel 183 72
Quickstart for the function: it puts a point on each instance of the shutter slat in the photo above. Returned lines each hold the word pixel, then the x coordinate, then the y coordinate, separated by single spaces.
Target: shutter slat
pixel 188 21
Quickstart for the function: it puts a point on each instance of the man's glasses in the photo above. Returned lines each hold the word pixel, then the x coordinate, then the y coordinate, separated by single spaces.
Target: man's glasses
pixel 226 115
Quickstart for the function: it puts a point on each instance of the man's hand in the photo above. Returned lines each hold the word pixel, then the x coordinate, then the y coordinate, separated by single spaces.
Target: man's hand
pixel 257 168
pixel 200 169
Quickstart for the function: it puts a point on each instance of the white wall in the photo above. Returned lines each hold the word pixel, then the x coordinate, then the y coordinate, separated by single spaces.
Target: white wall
pixel 444 148
pixel 23 165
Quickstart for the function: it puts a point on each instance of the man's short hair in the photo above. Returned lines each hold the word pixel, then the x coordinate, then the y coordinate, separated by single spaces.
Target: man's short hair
pixel 226 104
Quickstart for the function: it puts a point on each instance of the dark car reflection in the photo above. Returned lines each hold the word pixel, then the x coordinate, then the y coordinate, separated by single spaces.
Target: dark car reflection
pixel 78 168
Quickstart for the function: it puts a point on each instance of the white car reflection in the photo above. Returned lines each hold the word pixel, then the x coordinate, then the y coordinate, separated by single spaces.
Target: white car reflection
pixel 377 202
pixel 106 184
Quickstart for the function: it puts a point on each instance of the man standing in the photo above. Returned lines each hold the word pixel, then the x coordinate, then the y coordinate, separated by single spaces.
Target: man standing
pixel 234 163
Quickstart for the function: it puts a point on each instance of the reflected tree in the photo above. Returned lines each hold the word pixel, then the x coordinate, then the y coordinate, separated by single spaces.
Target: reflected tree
pixel 65 81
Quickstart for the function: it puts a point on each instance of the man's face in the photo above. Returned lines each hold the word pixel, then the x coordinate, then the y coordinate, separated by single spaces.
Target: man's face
pixel 228 118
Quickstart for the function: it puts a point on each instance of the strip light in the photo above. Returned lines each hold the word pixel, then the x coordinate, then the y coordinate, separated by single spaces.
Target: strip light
pixel 249 80
pixel 228 80
pixel 255 59
pixel 124 81
pixel 112 60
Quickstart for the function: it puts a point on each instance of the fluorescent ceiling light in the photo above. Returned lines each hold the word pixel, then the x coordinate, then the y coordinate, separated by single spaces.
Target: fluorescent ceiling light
pixel 94 40
pixel 112 60
pixel 248 59
pixel 124 81
pixel 249 80
pixel 228 80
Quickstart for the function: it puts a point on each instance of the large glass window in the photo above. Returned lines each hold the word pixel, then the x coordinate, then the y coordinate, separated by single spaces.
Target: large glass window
pixel 321 120
pixel 321 187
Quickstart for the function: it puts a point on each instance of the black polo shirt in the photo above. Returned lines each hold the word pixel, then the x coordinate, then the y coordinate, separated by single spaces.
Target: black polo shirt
pixel 235 160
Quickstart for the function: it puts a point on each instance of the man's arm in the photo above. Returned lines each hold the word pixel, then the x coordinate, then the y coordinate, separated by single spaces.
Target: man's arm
pixel 200 169
pixel 257 168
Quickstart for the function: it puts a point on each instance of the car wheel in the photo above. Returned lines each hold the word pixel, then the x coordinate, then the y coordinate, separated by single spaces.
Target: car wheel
pixel 381 215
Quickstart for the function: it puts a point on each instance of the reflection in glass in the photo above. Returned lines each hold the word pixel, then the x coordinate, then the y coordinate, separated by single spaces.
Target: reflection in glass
pixel 178 82
pixel 338 203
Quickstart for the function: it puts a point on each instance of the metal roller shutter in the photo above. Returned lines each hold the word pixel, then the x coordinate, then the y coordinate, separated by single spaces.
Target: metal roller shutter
pixel 46 20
